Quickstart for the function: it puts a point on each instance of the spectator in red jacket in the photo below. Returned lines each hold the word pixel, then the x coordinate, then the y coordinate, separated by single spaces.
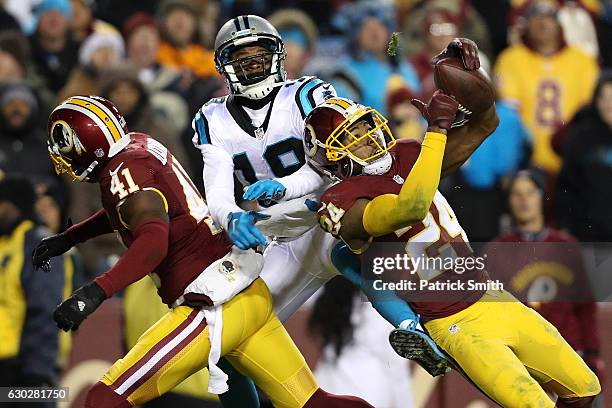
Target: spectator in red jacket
pixel 547 271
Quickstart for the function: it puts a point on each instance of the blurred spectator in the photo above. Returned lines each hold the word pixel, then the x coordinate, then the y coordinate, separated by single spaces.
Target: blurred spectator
pixel 475 191
pixel 495 15
pixel 354 343
pixel 439 28
pixel 99 52
pixel 7 21
pixel 121 85
pixel 142 39
pixel 83 22
pixel 578 28
pixel 179 48
pixel 233 8
pixel 547 270
pixel 545 78
pixel 583 191
pixel 52 205
pixel 405 120
pixel 28 334
pixel 14 56
pixel 117 12
pixel 502 153
pixel 23 146
pixel 208 21
pixel 51 209
pixel 167 87
pixel 16 66
pixel 370 24
pixel 17 13
pixel 300 35
pixel 54 51
pixel 575 18
pixel 469 22
pixel 603 26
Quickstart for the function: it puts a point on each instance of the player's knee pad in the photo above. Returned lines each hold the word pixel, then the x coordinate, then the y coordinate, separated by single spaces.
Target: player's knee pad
pixel 102 396
pixel 577 402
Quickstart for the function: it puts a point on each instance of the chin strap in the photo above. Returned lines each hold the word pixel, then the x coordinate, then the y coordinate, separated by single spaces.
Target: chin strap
pixel 260 90
pixel 379 166
pixel 83 176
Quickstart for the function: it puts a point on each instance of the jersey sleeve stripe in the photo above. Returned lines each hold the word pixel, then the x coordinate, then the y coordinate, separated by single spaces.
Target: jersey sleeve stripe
pixel 311 99
pixel 301 96
pixel 201 127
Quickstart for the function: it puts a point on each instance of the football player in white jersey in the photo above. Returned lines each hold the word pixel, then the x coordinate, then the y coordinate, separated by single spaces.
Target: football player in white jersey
pixel 256 133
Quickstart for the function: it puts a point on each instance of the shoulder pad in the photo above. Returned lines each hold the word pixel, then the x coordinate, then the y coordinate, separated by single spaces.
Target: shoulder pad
pixel 304 93
pixel 216 101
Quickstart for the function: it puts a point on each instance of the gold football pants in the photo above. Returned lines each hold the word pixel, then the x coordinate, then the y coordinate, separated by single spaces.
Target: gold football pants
pixel 253 340
pixel 508 350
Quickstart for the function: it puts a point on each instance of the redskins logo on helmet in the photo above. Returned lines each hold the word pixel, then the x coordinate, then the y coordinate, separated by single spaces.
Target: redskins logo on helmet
pixel 337 131
pixel 83 133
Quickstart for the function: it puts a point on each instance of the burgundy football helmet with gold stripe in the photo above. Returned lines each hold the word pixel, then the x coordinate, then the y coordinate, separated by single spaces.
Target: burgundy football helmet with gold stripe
pixel 329 140
pixel 83 133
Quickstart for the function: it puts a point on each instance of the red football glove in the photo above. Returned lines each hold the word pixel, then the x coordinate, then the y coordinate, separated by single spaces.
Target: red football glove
pixel 463 48
pixel 440 111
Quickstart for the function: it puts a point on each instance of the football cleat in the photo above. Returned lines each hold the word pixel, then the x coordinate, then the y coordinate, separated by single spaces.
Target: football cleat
pixel 416 345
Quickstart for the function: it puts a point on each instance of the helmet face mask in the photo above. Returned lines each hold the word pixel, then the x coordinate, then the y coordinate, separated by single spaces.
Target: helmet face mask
pixel 345 139
pixel 241 33
pixel 366 127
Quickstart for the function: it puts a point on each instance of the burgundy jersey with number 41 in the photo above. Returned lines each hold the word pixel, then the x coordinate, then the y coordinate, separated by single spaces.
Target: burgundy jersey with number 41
pixel 194 241
pixel 439 235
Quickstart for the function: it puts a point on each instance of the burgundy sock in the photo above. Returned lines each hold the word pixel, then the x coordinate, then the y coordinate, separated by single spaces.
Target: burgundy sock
pixel 322 399
pixel 102 396
pixel 578 402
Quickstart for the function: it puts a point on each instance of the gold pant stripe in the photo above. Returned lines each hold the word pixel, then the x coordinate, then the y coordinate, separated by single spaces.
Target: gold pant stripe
pixel 162 353
pixel 250 331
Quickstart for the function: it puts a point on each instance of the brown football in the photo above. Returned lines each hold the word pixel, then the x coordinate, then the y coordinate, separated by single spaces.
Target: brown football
pixel 473 89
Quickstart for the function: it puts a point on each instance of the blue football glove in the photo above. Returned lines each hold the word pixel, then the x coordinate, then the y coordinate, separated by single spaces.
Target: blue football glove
pixel 242 230
pixel 266 191
pixel 312 205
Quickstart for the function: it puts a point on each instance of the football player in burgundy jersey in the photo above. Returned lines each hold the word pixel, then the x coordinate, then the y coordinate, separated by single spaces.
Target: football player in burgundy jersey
pixel 503 347
pixel 219 305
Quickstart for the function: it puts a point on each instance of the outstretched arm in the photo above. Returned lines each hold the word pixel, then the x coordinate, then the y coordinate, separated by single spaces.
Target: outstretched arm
pixel 386 213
